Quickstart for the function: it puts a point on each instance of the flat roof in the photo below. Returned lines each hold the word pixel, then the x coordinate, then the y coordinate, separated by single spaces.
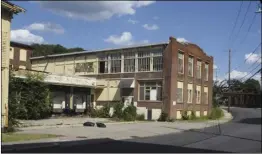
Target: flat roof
pixel 96 51
pixel 12 7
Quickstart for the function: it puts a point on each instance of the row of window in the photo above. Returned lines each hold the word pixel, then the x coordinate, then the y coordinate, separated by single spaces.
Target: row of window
pixel 190 64
pixel 146 61
pixel 191 93
pixel 153 91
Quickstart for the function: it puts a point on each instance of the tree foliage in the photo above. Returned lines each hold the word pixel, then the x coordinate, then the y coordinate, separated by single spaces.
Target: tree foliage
pixel 28 98
pixel 49 49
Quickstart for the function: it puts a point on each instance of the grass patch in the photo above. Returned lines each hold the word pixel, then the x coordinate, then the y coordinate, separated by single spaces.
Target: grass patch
pixel 13 137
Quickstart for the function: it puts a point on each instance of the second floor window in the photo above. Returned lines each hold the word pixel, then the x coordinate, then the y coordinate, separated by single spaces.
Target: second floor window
pixel 190 66
pixel 198 69
pixel 206 72
pixel 179 92
pixel 198 95
pixel 189 93
pixel 180 63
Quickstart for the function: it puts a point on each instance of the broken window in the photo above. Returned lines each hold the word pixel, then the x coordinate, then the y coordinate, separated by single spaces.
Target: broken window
pixel 103 64
pixel 180 63
pixel 129 62
pixel 180 92
pixel 190 66
pixel 150 91
pixel 198 69
pixel 198 94
pixel 143 61
pixel 206 72
pixel 115 63
pixel 84 67
pixel 189 93
pixel 205 97
pixel 157 60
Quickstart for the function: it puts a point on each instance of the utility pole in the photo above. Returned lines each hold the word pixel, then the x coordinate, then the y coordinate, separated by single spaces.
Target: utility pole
pixel 260 11
pixel 229 81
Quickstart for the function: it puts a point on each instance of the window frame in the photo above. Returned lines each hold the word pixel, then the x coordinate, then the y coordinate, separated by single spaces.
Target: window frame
pixel 148 86
pixel 182 92
pixel 206 71
pixel 192 66
pixel 183 62
pixel 199 67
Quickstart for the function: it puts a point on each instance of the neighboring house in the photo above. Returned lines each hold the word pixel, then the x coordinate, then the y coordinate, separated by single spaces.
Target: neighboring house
pixel 169 77
pixel 20 55
pixel 8 10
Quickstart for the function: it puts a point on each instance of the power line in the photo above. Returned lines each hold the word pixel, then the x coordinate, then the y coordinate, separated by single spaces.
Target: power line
pixel 254 74
pixel 249 72
pixel 243 21
pixel 249 28
pixel 255 62
pixel 239 10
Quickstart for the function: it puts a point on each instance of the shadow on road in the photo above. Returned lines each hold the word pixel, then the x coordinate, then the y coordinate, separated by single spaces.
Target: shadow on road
pixel 105 145
pixel 255 121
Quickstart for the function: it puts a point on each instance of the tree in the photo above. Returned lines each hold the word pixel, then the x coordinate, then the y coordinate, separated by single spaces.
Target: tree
pixel 49 49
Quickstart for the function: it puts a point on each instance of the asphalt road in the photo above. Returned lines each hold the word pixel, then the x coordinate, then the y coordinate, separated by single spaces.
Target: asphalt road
pixel 242 134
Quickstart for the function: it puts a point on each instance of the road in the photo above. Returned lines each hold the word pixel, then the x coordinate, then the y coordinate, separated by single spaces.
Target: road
pixel 242 134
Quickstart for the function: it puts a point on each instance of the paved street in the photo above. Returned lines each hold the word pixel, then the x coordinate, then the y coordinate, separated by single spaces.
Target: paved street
pixel 242 134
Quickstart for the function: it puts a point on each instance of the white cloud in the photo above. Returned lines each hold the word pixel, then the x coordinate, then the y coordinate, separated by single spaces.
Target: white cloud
pixel 155 18
pixel 182 40
pixel 132 21
pixel 94 10
pixel 151 27
pixel 214 66
pixel 125 38
pixel 252 58
pixel 46 27
pixel 239 75
pixel 25 36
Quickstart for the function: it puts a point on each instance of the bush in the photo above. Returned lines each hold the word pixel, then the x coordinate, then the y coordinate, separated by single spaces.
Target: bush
pixel 118 110
pixel 216 113
pixel 193 116
pixel 163 117
pixel 171 120
pixel 103 112
pixel 129 113
pixel 140 117
pixel 28 98
pixel 184 115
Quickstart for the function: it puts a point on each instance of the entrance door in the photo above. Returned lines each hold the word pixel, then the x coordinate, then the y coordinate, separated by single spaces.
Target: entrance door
pixel 149 114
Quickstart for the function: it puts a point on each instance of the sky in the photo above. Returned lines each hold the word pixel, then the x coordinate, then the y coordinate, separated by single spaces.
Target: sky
pixel 109 24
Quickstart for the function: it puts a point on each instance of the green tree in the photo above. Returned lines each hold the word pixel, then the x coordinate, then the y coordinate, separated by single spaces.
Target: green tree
pixel 49 49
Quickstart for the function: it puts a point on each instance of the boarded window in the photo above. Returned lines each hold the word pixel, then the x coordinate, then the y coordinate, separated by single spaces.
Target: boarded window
pixel 180 92
pixel 190 66
pixel 199 69
pixel 144 61
pixel 150 91
pixel 84 67
pixel 129 62
pixel 206 72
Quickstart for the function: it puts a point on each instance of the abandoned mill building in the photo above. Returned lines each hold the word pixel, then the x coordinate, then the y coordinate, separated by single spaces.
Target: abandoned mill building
pixel 169 77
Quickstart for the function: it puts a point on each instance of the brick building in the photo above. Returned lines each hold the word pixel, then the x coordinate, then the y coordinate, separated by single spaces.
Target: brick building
pixel 169 77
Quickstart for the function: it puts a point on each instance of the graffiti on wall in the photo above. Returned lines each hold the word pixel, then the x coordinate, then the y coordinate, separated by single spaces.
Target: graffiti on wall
pixel 84 67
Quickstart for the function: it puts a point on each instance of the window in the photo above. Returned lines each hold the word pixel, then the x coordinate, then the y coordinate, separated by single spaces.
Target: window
pixel 190 66
pixel 84 67
pixel 143 61
pixel 180 63
pixel 150 91
pixel 198 94
pixel 206 95
pixel 129 62
pixel 189 93
pixel 179 92
pixel 206 72
pixel 198 69
pixel 157 60
pixel 103 64
pixel 115 63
